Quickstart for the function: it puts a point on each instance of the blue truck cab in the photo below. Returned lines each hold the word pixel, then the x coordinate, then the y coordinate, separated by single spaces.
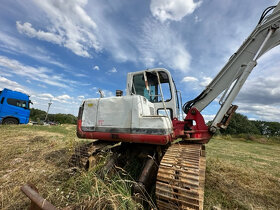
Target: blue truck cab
pixel 14 107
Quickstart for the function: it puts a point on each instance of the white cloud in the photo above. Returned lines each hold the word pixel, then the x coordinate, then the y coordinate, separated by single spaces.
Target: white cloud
pixel 10 44
pixel 108 93
pixel 208 117
pixel 113 70
pixel 60 104
pixel 158 42
pixel 172 9
pixel 142 40
pixel 45 96
pixel 197 19
pixel 260 111
pixel 5 74
pixel 49 97
pixel 79 75
pixel 205 81
pixel 189 79
pixel 96 68
pixel 12 85
pixel 149 61
pixel 27 29
pixel 7 82
pixel 81 98
pixel 41 85
pixel 40 74
pixel 70 26
pixel 64 97
pixel 261 90
pixel 155 44
pixel 252 118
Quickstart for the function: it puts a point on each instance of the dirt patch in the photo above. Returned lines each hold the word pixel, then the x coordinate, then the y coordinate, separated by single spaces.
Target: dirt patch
pixel 39 139
pixel 258 139
pixel 58 158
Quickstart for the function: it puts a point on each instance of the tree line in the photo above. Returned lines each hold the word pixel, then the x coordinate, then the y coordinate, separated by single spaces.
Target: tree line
pixel 240 124
pixel 38 115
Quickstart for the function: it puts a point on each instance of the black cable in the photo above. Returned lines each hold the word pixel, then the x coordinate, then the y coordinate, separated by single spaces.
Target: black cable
pixel 188 105
pixel 265 12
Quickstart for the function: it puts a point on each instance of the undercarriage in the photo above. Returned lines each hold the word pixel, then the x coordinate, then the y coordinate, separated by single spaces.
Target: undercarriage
pixel 174 173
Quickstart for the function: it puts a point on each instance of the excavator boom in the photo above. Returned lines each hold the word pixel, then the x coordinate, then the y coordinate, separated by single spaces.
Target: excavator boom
pixel 232 76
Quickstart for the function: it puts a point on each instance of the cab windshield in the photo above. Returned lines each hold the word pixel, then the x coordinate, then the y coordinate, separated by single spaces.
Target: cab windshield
pixel 153 93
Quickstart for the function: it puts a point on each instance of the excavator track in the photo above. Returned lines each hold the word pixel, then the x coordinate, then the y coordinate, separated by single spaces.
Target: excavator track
pixel 181 177
pixel 85 154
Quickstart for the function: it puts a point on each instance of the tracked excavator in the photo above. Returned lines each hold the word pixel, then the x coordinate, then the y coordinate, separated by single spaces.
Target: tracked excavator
pixel 147 122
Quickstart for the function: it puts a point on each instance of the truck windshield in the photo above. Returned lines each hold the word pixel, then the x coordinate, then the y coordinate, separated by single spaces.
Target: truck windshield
pixel 18 103
pixel 153 94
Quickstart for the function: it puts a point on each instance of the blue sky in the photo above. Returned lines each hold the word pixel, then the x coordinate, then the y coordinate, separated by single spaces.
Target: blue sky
pixel 65 50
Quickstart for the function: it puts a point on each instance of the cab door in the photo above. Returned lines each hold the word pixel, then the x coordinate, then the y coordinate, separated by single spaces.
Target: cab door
pixel 17 108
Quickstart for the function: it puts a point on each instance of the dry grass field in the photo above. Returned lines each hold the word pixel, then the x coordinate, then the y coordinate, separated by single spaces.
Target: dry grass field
pixel 241 173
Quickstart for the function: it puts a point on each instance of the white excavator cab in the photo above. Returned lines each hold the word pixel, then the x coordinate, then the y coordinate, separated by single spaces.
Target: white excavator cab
pixel 158 87
pixel 143 115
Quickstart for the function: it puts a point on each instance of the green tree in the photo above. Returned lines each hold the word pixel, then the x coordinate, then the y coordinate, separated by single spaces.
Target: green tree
pixel 240 124
pixel 268 128
pixel 36 114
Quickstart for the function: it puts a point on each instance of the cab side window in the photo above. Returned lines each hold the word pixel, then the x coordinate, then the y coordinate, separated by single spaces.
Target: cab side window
pixel 16 102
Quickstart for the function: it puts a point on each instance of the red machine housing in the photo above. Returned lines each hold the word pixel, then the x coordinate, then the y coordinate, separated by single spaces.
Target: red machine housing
pixel 193 129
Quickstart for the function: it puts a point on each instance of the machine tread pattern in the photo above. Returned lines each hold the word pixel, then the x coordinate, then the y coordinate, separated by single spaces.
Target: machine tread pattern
pixel 181 177
pixel 83 153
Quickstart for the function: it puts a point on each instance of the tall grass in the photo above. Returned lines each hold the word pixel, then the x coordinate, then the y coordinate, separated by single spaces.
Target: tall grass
pixel 91 192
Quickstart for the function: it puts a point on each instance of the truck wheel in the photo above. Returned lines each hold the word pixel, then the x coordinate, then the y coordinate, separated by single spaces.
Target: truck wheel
pixel 10 121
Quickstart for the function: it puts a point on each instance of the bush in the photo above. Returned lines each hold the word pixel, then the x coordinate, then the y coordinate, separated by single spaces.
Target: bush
pixel 240 124
pixel 39 115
